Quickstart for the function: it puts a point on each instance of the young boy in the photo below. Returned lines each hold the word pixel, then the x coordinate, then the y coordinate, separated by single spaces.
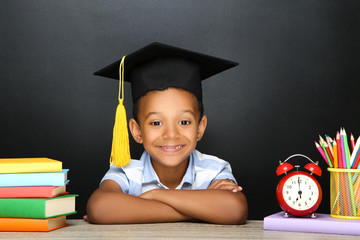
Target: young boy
pixel 172 181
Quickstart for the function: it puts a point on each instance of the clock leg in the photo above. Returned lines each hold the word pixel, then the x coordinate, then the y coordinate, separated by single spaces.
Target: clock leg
pixel 313 215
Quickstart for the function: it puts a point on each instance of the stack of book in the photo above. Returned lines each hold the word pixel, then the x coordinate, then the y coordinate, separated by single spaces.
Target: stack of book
pixel 33 195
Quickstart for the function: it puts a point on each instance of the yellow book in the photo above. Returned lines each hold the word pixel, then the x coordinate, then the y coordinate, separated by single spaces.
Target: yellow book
pixel 29 165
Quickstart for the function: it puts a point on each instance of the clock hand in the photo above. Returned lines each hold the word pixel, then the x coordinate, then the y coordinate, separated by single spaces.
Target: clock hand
pixel 299 192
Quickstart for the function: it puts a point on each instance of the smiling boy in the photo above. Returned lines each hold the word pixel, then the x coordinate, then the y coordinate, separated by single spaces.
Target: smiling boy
pixel 172 181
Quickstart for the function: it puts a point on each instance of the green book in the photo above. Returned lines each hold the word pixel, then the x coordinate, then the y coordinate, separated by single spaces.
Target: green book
pixel 37 207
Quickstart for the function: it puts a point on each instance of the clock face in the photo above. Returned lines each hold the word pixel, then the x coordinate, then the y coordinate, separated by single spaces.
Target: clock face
pixel 300 192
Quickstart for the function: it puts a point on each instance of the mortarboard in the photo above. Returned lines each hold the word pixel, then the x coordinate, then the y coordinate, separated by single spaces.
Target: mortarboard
pixel 156 66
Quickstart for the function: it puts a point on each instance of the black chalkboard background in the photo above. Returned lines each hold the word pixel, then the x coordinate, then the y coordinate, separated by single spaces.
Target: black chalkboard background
pixel 298 77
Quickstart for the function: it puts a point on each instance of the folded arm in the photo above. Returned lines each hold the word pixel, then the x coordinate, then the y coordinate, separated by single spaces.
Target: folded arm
pixel 109 205
pixel 222 203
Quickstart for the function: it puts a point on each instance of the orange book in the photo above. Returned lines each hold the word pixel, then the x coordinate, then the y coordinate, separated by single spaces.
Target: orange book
pixel 32 192
pixel 31 225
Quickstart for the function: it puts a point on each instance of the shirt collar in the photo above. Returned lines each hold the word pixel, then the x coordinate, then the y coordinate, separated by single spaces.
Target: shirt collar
pixel 149 174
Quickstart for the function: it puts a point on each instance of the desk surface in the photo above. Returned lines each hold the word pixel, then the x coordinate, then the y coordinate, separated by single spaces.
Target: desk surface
pixel 78 229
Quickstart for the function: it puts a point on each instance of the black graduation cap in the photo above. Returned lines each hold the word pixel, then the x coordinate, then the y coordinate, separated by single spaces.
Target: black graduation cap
pixel 159 66
pixel 156 67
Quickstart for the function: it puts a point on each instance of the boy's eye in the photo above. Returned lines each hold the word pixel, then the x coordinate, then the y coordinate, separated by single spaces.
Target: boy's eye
pixel 156 123
pixel 184 122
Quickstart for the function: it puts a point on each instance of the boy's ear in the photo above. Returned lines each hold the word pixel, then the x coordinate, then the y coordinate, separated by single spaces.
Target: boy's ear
pixel 202 127
pixel 135 130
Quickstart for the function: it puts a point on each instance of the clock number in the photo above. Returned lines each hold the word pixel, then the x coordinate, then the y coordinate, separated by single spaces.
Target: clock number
pixel 300 193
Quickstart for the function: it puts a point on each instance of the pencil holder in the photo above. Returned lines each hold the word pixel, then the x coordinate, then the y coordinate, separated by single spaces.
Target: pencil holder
pixel 344 193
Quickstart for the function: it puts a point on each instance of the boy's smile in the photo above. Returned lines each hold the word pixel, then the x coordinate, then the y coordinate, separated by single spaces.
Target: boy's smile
pixel 169 128
pixel 171 148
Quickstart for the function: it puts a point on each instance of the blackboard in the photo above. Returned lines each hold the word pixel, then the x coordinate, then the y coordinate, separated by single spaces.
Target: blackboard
pixel 298 77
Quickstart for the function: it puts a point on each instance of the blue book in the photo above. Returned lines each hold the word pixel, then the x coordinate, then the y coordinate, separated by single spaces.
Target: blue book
pixel 34 179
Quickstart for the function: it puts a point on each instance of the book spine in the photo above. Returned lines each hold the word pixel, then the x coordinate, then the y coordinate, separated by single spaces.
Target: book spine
pixel 22 208
pixel 31 167
pixel 33 179
pixel 26 225
pixel 22 224
pixel 25 192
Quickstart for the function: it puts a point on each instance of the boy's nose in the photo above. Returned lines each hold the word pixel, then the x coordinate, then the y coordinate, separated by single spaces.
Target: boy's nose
pixel 170 132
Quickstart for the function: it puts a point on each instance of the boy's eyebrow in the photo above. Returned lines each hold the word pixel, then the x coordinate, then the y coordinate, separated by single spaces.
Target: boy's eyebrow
pixel 151 113
pixel 189 111
pixel 159 113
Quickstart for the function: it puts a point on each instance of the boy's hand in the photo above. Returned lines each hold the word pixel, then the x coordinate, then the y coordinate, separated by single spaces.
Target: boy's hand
pixel 225 184
pixel 147 195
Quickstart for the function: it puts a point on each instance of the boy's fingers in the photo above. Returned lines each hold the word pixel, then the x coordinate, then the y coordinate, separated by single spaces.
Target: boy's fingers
pixel 217 183
pixel 230 187
pixel 214 184
pixel 225 184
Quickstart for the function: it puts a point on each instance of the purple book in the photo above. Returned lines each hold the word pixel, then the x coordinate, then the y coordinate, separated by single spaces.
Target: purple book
pixel 322 224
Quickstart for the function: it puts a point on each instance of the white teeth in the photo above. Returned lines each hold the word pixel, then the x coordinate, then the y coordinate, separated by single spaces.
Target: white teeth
pixel 177 147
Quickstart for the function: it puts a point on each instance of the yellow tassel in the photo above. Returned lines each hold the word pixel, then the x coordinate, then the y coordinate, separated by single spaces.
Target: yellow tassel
pixel 120 150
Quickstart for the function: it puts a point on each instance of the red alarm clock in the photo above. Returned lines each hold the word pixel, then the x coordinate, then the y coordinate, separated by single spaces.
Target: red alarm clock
pixel 298 193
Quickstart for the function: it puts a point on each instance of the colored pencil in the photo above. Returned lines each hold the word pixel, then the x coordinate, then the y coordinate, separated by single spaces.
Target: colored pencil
pixel 346 148
pixel 343 204
pixel 352 140
pixel 340 163
pixel 335 154
pixel 356 164
pixel 326 154
pixel 342 150
pixel 321 151
pixel 328 140
pixel 354 153
pixel 331 158
pixel 357 192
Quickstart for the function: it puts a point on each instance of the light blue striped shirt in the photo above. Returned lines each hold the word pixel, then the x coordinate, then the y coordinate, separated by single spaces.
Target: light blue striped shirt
pixel 139 176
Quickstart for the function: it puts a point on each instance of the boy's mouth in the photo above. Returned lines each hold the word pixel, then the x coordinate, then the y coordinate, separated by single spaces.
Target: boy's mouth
pixel 171 148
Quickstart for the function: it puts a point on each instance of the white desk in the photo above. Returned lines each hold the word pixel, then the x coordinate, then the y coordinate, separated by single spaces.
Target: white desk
pixel 78 229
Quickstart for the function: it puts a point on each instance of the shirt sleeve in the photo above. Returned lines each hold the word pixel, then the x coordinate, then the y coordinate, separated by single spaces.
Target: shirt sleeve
pixel 118 175
pixel 225 172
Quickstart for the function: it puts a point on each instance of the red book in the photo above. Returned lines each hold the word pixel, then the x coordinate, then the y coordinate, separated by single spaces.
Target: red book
pixel 32 192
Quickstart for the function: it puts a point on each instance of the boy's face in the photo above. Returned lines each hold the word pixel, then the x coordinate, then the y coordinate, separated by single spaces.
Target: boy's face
pixel 168 126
